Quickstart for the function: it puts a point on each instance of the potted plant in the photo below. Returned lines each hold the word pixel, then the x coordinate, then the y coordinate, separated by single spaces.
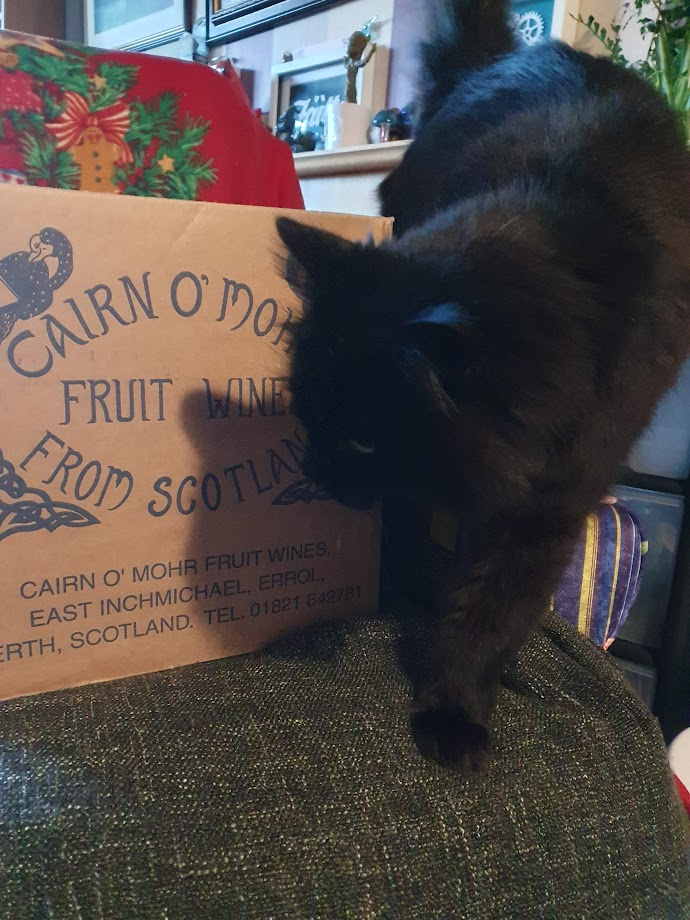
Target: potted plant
pixel 667 64
pixel 347 123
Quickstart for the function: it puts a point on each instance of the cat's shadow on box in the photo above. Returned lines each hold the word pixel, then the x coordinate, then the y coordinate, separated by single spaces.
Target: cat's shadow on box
pixel 410 563
pixel 230 519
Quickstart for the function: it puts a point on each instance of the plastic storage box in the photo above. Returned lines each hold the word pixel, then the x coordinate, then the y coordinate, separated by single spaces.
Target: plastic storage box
pixel 641 678
pixel 661 516
pixel 664 449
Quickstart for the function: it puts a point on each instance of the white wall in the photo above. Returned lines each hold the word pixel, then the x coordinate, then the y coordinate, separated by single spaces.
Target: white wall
pixel 342 194
pixel 332 25
pixel 605 13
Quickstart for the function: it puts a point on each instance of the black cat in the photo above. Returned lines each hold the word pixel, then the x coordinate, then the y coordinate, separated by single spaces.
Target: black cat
pixel 502 353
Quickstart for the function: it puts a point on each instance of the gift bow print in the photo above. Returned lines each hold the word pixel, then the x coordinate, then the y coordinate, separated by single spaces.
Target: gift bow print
pixel 114 122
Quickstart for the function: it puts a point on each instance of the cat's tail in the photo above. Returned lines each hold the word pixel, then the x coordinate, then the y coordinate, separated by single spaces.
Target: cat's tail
pixel 464 35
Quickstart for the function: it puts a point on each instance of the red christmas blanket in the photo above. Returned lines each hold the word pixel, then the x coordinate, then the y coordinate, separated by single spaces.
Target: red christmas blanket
pixel 134 124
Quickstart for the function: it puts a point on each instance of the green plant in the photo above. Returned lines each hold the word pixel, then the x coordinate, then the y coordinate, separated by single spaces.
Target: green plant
pixel 667 65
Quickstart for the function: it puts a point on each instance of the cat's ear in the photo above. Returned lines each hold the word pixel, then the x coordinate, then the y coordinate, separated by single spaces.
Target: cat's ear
pixel 442 343
pixel 440 330
pixel 316 251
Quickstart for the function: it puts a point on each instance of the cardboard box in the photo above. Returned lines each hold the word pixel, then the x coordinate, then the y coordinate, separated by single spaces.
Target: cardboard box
pixel 152 508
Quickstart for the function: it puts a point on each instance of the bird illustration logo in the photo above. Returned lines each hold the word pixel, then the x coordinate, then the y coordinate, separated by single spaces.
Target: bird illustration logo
pixel 28 279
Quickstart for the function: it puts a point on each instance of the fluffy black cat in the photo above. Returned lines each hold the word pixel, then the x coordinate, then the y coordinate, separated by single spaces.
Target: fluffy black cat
pixel 502 353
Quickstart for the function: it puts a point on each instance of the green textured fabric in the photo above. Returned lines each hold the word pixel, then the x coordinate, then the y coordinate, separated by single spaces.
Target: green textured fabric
pixel 285 785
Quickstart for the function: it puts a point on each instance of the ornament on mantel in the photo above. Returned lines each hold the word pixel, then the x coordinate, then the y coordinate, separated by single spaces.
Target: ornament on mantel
pixel 360 50
pixel 390 125
pixel 348 123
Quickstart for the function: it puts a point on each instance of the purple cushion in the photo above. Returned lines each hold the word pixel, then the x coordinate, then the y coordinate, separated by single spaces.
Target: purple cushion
pixel 603 579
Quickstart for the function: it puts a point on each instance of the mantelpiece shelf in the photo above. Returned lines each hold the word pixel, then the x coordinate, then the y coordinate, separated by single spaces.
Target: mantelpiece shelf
pixel 368 158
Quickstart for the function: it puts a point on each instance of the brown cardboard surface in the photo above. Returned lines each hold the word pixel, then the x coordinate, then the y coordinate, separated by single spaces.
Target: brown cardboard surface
pixel 152 508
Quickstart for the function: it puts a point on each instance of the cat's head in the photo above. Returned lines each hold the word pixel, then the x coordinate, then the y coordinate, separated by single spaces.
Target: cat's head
pixel 376 361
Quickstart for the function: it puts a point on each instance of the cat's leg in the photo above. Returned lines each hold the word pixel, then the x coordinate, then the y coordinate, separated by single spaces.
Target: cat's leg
pixel 502 599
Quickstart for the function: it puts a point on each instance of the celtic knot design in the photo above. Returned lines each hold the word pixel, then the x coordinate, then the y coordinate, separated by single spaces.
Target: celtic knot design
pixel 26 510
pixel 304 491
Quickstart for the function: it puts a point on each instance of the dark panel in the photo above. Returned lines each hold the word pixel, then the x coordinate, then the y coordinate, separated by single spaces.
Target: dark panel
pixel 673 695
pixel 250 18
pixel 74 21
pixel 37 17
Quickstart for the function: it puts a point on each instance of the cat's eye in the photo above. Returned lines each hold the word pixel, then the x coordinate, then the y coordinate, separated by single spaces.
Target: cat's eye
pixel 360 447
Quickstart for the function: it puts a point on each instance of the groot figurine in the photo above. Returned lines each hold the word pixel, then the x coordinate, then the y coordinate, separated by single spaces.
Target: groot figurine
pixel 360 50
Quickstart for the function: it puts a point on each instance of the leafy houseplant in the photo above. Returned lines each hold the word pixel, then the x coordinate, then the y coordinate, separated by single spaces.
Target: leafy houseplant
pixel 667 65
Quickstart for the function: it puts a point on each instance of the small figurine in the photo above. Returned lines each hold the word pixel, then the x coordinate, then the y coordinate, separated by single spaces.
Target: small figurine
pixel 305 142
pixel 387 126
pixel 360 50
pixel 291 131
pixel 392 125
pixel 285 128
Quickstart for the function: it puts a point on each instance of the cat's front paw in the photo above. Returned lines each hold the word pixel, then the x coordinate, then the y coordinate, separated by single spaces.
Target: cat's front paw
pixel 446 736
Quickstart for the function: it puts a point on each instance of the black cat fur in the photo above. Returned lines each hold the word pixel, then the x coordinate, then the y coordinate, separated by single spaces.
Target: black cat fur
pixel 502 353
